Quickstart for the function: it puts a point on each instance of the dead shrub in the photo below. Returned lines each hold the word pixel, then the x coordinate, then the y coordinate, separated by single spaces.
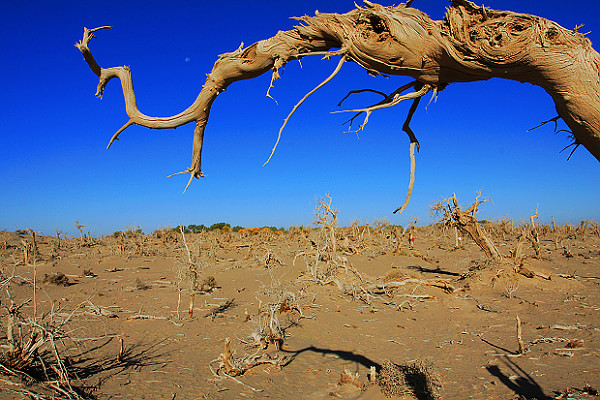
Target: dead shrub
pixel 140 285
pixel 31 353
pixel 208 284
pixel 57 278
pixel 416 379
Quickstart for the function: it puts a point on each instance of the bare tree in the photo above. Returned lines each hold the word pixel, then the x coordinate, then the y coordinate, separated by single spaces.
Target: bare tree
pixel 471 43
pixel 79 228
pixel 465 220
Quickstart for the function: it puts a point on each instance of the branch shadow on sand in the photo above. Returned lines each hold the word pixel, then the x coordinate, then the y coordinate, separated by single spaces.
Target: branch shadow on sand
pixel 523 385
pixel 437 271
pixel 133 356
pixel 342 354
pixel 497 347
pixel 393 379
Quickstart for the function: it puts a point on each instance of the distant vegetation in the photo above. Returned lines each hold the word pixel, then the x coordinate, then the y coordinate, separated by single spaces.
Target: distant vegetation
pixel 221 226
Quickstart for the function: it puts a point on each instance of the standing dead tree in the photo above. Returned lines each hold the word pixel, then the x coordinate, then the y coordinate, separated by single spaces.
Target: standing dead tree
pixel 531 234
pixel 326 218
pixel 81 234
pixel 471 43
pixel 453 215
pixel 192 269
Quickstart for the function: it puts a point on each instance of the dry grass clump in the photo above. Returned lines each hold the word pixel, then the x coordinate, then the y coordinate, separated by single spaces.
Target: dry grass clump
pixel 394 275
pixel 57 278
pixel 416 379
pixel 207 284
pixel 141 285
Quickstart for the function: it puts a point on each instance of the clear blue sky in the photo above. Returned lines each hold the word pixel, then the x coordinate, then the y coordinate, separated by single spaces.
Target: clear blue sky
pixel 55 168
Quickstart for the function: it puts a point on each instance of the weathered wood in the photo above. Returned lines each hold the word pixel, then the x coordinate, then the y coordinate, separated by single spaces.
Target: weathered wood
pixel 471 43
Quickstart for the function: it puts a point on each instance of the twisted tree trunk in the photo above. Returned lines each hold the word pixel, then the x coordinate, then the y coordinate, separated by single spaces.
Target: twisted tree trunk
pixel 471 43
pixel 453 215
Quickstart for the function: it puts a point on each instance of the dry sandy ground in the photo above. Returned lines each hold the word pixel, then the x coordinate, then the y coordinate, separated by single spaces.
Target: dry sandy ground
pixel 461 344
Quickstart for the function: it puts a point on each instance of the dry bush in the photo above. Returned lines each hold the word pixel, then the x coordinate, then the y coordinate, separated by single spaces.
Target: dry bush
pixel 187 266
pixel 207 284
pixel 276 299
pixel 190 261
pixel 326 219
pixel 323 262
pixel 56 278
pixel 416 379
pixel 298 233
pixel 31 353
pixel 166 235
pixel 260 253
pixel 228 365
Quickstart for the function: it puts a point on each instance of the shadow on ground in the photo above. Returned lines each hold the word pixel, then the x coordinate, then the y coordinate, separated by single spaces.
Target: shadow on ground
pixel 134 356
pixel 523 385
pixel 394 379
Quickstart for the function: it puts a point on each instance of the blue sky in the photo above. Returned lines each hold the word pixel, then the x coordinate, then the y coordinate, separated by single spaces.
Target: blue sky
pixel 55 167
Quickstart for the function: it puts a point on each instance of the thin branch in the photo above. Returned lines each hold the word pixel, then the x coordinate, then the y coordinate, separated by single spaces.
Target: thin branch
pixel 406 127
pixel 116 135
pixel 576 144
pixel 271 86
pixel 555 120
pixel 320 85
pixel 474 208
pixel 396 99
pixel 277 65
pixel 519 337
pixel 573 151
pixel 412 179
pixel 186 171
pixel 242 383
pixel 387 99
pixel 413 143
pixel 361 91
pixel 195 170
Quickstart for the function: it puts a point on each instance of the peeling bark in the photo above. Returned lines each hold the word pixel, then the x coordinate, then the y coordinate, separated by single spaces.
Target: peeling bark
pixel 471 43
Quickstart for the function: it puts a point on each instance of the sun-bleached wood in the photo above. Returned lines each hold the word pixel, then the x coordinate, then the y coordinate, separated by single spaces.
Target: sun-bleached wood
pixel 471 43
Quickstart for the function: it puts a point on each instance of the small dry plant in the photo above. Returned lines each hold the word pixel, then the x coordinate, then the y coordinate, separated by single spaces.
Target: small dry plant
pixel 326 219
pixel 349 378
pixel 510 289
pixel 528 234
pixel 189 266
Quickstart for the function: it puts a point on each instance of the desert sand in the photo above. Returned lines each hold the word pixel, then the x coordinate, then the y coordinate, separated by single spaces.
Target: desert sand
pixel 289 316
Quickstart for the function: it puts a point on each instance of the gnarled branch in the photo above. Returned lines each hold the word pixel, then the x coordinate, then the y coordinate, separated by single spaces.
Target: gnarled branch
pixel 471 43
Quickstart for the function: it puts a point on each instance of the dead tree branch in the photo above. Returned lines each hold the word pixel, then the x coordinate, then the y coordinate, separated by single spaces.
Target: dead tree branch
pixel 471 43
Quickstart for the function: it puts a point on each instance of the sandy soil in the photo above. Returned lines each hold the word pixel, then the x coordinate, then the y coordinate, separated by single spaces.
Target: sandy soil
pixel 450 328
